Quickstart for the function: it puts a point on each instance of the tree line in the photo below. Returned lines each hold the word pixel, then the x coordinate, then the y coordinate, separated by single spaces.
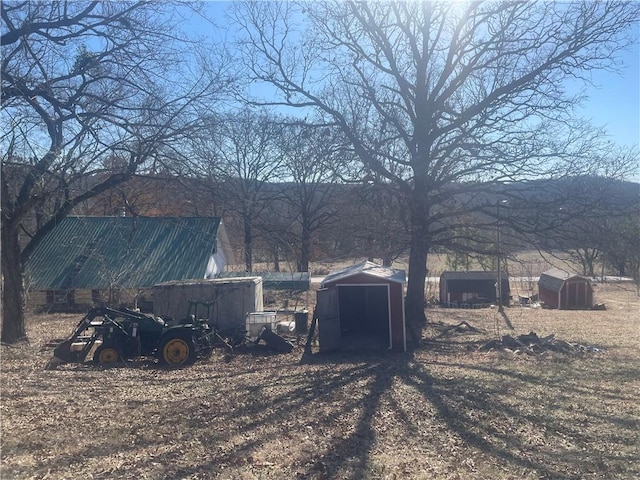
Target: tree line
pixel 599 232
pixel 416 115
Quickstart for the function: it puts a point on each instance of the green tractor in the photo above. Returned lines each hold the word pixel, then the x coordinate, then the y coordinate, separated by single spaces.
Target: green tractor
pixel 125 334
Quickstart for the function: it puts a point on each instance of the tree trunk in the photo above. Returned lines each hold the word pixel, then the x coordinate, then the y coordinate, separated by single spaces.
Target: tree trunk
pixel 415 302
pixel 305 249
pixel 13 299
pixel 276 259
pixel 248 253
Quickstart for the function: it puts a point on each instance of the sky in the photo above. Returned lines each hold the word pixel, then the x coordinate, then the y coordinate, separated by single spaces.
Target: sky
pixel 613 102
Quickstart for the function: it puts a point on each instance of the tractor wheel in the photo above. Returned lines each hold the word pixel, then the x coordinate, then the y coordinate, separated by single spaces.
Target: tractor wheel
pixel 106 355
pixel 177 349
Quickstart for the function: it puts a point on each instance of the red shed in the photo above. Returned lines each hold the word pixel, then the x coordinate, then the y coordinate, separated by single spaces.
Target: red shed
pixel 561 290
pixel 362 305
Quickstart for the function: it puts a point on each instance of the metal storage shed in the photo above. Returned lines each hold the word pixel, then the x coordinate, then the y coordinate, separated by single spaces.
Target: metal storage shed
pixel 472 288
pixel 362 305
pixel 562 290
pixel 225 302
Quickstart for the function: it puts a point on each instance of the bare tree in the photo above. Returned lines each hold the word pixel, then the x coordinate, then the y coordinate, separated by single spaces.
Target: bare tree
pixel 623 250
pixel 436 93
pixel 313 159
pixel 593 217
pixel 240 157
pixel 92 92
pixel 377 215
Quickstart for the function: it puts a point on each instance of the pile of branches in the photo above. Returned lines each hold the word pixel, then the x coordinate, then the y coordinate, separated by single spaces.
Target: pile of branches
pixel 532 344
pixel 448 330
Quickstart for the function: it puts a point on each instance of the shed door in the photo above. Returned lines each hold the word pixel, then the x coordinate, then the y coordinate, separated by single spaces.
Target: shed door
pixel 364 314
pixel 328 313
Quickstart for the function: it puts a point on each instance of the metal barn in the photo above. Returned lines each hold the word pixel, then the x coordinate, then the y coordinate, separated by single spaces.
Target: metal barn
pixel 362 306
pixel 564 291
pixel 87 261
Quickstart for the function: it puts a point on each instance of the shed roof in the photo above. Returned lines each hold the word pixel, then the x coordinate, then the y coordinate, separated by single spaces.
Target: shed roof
pixel 367 268
pixel 96 252
pixel 277 280
pixel 474 275
pixel 554 279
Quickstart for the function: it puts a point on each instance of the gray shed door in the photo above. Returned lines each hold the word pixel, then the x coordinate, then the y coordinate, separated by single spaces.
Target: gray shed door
pixel 328 313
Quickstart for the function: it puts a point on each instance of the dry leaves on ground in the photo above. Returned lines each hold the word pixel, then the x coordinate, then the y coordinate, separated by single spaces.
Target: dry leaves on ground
pixel 444 411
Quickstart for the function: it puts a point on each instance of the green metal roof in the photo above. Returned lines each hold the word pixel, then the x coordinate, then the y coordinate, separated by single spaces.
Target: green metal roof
pixel 96 252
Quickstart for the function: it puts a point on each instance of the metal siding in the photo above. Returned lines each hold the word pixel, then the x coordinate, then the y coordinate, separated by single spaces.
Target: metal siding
pixel 397 321
pixel 453 284
pixel 124 251
pixel 328 314
pixel 277 280
pixel 396 302
pixel 471 275
pixel 230 299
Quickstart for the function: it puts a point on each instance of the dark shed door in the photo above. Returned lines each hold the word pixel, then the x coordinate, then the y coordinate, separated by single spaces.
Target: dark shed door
pixel 328 313
pixel 364 313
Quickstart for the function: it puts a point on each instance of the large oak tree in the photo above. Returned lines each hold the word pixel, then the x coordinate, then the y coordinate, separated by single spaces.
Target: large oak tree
pixel 92 93
pixel 433 94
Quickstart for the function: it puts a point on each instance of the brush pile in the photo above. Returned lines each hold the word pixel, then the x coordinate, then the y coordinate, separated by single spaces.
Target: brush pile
pixel 532 344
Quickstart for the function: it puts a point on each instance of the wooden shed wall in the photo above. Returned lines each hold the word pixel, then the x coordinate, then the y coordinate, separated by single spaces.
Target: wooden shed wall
pixel 548 297
pixel 396 305
pixel 575 293
pixel 80 299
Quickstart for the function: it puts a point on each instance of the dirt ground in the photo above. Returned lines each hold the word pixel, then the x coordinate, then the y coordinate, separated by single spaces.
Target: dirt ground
pixel 442 411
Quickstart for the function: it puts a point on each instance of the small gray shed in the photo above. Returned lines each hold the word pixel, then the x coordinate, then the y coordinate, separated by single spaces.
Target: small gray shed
pixel 228 300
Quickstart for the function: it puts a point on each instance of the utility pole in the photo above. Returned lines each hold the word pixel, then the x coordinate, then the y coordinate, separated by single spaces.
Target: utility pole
pixel 499 286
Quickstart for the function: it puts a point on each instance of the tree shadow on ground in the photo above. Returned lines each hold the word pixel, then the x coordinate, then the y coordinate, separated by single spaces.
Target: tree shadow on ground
pixel 353 415
pixel 506 319
pixel 471 409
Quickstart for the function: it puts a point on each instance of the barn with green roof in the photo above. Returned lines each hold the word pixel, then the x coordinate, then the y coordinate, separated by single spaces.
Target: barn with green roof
pixel 85 261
